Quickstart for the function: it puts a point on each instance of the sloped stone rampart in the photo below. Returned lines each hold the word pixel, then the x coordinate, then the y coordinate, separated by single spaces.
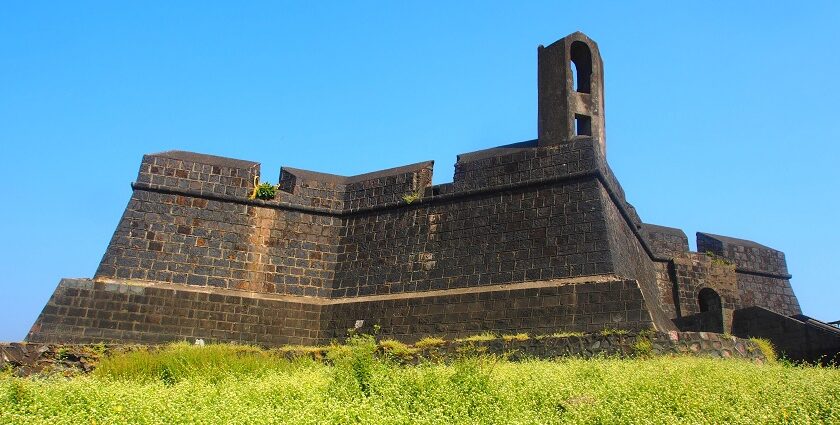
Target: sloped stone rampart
pixel 84 311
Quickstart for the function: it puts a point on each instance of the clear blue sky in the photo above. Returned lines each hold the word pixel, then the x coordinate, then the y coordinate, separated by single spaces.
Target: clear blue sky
pixel 721 117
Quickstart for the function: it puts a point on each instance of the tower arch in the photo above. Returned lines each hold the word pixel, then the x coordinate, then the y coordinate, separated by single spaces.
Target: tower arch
pixel 581 58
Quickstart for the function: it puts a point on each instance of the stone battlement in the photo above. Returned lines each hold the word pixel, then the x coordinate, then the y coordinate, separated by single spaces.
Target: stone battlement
pixel 230 179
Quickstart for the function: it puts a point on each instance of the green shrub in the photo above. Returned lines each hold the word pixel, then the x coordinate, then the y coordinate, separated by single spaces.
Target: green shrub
pixel 312 351
pixel 643 347
pixel 359 388
pixel 7 370
pixel 562 335
pixel 397 349
pixel 63 353
pixel 264 191
pixel 718 260
pixel 354 365
pixel 484 337
pixel 515 337
pixel 409 198
pixel 766 348
pixel 181 360
pixel 429 342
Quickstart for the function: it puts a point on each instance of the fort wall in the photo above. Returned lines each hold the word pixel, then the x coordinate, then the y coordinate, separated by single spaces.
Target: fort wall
pixel 334 236
pixel 521 214
pixel 763 278
pixel 83 311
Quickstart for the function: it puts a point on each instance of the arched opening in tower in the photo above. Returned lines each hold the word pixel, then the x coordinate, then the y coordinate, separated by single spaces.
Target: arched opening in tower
pixel 581 66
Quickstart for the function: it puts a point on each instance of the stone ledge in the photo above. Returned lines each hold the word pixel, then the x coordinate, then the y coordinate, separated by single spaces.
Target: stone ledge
pixel 135 286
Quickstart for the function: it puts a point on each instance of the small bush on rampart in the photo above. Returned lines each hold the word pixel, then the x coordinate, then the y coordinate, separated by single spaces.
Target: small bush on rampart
pixel 766 348
pixel 429 342
pixel 484 337
pixel 264 191
pixel 516 337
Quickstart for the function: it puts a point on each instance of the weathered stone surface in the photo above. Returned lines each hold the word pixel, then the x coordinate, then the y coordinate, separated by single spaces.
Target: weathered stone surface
pixel 798 337
pixel 83 311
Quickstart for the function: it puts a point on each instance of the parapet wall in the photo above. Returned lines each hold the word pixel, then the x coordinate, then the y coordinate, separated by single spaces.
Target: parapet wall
pixel 665 242
pixel 197 173
pixel 748 256
pixel 763 278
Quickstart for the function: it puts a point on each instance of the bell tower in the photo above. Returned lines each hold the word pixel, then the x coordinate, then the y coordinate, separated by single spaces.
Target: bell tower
pixel 570 91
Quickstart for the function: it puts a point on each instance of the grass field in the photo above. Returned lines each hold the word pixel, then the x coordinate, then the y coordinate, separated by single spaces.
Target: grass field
pixel 244 385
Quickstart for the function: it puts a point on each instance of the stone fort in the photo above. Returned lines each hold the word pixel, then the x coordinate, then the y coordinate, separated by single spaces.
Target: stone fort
pixel 535 236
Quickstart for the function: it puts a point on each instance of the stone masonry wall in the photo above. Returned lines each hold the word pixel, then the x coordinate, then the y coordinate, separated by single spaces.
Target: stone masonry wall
pixel 701 344
pixel 794 339
pixel 498 167
pixel 333 236
pixel 538 309
pixel 697 271
pixel 770 292
pixel 82 311
pixel 763 278
pixel 196 241
pixel 747 255
pixel 203 174
pixel 520 235
pixel 665 242
pixel 630 259
pixel 181 229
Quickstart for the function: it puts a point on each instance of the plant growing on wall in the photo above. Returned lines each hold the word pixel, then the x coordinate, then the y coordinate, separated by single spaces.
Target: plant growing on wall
pixel 411 197
pixel 718 260
pixel 264 191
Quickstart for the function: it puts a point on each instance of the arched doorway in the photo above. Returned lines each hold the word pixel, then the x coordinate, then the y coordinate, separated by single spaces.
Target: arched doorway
pixel 711 311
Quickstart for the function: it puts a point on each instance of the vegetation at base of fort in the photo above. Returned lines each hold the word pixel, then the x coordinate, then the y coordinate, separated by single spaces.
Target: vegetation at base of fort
pixel 515 337
pixel 484 337
pixel 223 383
pixel 611 331
pixel 561 335
pixel 766 348
pixel 643 347
pixel 429 342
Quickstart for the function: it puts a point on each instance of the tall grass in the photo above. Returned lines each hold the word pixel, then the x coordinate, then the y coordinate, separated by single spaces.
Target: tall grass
pixel 236 384
pixel 182 360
